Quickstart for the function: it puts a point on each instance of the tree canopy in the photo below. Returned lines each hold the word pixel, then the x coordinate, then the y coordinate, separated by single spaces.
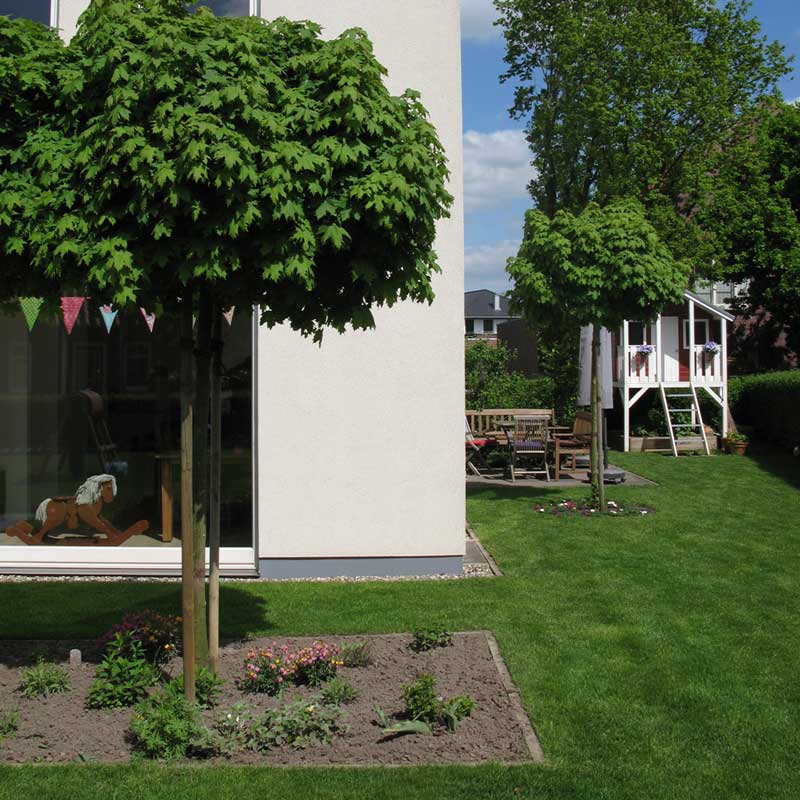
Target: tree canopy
pixel 599 267
pixel 753 210
pixel 629 99
pixel 254 157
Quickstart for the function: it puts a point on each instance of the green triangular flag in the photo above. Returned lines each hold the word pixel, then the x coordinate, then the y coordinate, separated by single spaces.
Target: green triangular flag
pixel 30 308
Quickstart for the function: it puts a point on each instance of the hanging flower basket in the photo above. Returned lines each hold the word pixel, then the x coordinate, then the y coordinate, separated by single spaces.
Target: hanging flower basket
pixel 711 349
pixel 643 352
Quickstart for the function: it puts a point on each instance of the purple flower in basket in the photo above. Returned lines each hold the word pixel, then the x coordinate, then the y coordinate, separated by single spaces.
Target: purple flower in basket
pixel 645 349
pixel 711 348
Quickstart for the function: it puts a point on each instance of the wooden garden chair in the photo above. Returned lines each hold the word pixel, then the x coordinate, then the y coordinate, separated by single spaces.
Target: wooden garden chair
pixel 576 443
pixel 529 440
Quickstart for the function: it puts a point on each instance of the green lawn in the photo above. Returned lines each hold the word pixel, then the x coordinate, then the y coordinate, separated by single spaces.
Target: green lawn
pixel 657 656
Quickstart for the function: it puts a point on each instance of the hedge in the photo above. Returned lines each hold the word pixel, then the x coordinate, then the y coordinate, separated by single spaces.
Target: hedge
pixel 769 401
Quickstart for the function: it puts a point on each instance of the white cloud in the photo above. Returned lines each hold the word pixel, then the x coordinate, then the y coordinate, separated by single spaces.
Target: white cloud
pixel 485 265
pixel 477 17
pixel 497 168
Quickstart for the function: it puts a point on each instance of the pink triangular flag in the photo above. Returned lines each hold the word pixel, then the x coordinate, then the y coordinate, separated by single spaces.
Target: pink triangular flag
pixel 109 315
pixel 71 307
pixel 150 319
pixel 229 315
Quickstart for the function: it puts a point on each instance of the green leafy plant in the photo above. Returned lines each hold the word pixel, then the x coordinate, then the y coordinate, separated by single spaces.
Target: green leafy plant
pixel 429 638
pixel 9 723
pixel 298 724
pixel 165 726
pixel 399 727
pixel 738 438
pixel 423 705
pixel 208 687
pixel 124 675
pixel 421 700
pixel 355 654
pixel 43 679
pixel 338 692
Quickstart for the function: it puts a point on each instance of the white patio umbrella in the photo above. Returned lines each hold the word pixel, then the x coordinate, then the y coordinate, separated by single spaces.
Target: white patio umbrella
pixel 585 369
pixel 610 474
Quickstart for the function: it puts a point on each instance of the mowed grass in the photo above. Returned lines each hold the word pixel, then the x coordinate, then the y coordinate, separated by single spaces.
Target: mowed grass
pixel 657 656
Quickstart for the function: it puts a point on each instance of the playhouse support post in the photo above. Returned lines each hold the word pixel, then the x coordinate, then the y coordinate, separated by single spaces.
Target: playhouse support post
pixel 626 376
pixel 723 391
pixel 692 364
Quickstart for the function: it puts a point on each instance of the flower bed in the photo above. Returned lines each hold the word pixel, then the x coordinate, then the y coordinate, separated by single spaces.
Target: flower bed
pixel 60 728
pixel 582 508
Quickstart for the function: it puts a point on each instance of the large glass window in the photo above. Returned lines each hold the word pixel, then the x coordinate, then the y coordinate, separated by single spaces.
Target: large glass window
pixel 38 10
pixel 226 8
pixel 75 408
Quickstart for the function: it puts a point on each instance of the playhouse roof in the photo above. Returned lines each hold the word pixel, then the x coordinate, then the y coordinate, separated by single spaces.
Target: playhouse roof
pixel 710 307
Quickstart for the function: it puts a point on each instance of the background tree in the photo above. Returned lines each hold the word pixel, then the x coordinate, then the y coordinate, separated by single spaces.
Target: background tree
pixel 753 211
pixel 597 268
pixel 629 99
pixel 198 162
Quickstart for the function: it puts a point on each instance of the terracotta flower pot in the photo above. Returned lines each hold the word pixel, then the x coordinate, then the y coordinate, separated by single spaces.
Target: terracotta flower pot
pixel 737 448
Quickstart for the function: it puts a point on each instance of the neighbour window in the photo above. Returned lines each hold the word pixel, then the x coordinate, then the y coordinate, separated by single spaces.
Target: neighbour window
pixel 488 326
pixel 94 416
pixel 227 8
pixel 700 332
pixel 470 325
pixel 37 10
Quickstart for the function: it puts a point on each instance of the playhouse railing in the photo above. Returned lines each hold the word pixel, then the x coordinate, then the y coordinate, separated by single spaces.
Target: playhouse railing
pixel 641 368
pixel 707 366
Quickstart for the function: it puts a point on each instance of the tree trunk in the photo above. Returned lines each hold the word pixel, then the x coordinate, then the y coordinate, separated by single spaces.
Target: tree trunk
pixel 216 477
pixel 187 554
pixel 596 455
pixel 201 473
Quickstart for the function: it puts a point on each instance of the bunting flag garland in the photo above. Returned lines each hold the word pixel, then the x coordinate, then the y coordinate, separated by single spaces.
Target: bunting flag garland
pixel 71 307
pixel 229 315
pixel 150 319
pixel 109 315
pixel 30 308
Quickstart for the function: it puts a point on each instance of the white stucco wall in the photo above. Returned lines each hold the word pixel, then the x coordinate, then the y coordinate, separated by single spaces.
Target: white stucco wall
pixel 367 460
pixel 359 441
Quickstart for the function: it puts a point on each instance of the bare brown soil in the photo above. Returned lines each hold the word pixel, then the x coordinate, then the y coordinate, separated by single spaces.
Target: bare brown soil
pixel 59 728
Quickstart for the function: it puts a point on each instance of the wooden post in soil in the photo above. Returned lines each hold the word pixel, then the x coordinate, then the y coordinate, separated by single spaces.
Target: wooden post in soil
pixel 596 457
pixel 187 554
pixel 201 474
pixel 216 478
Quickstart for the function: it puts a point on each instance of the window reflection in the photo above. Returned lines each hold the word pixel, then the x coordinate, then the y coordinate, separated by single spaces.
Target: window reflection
pixel 98 403
pixel 37 10
pixel 226 8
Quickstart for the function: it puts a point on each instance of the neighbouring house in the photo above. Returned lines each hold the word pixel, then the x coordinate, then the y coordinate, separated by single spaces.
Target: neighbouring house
pixel 684 351
pixel 311 486
pixel 484 310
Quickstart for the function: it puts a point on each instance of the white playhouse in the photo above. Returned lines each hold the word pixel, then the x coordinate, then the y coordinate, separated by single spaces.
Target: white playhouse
pixel 682 352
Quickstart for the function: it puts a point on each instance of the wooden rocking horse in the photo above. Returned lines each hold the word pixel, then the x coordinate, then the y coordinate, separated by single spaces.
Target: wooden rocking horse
pixel 84 507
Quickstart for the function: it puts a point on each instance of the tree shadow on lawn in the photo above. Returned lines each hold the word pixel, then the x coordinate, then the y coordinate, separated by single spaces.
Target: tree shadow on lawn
pixel 85 610
pixel 776 461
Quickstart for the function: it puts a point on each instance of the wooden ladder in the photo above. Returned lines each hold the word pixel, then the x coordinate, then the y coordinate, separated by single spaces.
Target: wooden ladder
pixel 693 409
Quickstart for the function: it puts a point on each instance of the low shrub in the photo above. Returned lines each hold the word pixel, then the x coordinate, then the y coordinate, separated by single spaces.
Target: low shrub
pixel 770 402
pixel 298 724
pixel 423 705
pixel 429 638
pixel 124 675
pixel 207 687
pixel 165 726
pixel 156 633
pixel 9 723
pixel 270 669
pixel 338 692
pixel 43 679
pixel 355 654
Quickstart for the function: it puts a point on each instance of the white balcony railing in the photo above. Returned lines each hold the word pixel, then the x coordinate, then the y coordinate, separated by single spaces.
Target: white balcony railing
pixel 707 366
pixel 642 368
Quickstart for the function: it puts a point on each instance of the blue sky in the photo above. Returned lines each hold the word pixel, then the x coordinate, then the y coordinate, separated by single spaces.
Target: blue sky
pixel 496 157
